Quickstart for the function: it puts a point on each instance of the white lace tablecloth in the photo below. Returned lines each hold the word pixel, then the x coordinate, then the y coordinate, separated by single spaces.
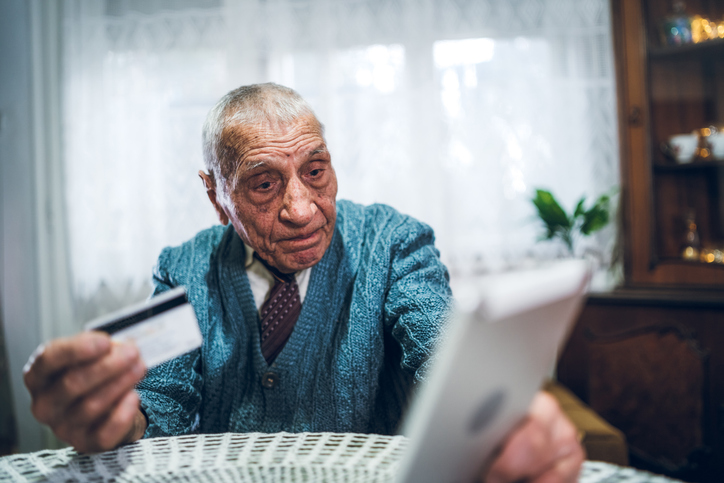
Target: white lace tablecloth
pixel 254 457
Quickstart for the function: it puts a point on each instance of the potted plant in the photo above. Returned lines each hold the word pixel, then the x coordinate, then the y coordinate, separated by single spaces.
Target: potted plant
pixel 568 228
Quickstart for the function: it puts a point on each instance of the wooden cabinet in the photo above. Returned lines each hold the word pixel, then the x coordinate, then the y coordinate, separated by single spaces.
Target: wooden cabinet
pixel 651 362
pixel 649 356
pixel 664 91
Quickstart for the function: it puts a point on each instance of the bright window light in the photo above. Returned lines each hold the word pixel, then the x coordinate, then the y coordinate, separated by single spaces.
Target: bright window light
pixel 449 53
pixel 378 66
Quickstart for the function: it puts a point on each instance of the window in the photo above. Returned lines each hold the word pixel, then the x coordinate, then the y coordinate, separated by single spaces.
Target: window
pixel 452 112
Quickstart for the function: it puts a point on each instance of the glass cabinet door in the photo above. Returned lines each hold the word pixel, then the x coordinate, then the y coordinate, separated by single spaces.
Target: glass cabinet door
pixel 670 73
pixel 685 63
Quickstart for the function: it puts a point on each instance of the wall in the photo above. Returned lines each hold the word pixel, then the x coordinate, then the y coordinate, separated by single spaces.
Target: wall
pixel 8 434
pixel 19 299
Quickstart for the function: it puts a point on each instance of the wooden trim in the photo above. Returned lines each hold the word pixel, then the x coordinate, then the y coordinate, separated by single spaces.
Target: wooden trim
pixel 660 297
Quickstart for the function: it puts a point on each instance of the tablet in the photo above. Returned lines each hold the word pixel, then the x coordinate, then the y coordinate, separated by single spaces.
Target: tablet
pixel 501 345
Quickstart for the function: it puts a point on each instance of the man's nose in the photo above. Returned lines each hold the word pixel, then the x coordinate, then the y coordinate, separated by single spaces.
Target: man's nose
pixel 299 206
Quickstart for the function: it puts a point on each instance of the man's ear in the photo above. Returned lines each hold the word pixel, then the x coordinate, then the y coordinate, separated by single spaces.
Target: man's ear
pixel 211 193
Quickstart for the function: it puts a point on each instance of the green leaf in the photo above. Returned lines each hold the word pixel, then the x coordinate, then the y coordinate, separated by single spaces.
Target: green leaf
pixel 550 212
pixel 559 225
pixel 597 217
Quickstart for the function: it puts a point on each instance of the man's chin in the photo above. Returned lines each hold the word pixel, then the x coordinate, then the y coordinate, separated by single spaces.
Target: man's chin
pixel 294 257
pixel 302 260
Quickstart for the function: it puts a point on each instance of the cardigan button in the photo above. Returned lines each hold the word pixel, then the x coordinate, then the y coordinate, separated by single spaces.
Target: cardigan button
pixel 269 380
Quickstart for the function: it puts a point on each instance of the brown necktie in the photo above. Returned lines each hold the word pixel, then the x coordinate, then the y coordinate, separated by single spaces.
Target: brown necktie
pixel 279 313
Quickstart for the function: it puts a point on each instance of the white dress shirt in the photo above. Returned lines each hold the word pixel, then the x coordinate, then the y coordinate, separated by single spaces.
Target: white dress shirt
pixel 262 281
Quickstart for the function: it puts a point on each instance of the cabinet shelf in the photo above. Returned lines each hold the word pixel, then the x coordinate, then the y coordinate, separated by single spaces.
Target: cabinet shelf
pixel 714 47
pixel 693 263
pixel 694 165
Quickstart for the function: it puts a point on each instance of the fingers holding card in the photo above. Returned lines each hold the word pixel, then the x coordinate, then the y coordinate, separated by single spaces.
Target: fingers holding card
pixel 162 328
pixel 82 387
pixel 74 388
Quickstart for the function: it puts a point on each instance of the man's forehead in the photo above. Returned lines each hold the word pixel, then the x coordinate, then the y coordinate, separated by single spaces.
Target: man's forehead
pixel 248 137
pixel 264 148
pixel 271 128
pixel 254 160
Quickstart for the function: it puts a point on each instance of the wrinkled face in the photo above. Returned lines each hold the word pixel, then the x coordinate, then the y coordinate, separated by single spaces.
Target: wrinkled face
pixel 282 201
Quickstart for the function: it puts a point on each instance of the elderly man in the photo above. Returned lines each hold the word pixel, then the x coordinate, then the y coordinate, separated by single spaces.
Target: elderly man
pixel 317 315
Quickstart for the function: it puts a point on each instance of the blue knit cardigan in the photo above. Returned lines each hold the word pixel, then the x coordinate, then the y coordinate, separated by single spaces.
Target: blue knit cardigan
pixel 376 304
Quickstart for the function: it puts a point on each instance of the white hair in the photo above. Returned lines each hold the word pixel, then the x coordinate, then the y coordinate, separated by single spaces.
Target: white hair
pixel 246 106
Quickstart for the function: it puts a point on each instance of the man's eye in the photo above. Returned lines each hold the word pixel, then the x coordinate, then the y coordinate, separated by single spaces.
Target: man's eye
pixel 315 172
pixel 264 186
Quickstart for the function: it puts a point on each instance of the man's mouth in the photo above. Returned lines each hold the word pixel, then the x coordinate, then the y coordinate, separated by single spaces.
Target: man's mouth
pixel 304 241
pixel 304 237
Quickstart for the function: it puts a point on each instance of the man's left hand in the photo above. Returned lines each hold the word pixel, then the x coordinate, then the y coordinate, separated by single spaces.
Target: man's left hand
pixel 544 449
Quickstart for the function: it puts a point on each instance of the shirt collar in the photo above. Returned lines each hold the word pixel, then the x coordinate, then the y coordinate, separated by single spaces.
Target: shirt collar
pixel 250 259
pixel 249 255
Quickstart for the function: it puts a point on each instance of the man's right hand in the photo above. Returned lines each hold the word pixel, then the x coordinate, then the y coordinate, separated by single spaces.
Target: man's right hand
pixel 83 388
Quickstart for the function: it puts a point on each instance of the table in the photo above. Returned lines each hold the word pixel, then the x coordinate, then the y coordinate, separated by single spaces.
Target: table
pixel 252 457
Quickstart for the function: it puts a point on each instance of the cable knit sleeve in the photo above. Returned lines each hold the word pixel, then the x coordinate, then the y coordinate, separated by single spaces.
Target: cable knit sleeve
pixel 171 392
pixel 419 298
pixel 170 396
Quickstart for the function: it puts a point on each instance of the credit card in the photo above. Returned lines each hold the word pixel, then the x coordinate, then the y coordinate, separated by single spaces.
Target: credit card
pixel 162 328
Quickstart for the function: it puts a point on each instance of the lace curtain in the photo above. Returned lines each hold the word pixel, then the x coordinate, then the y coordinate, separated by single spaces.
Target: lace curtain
pixel 452 111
